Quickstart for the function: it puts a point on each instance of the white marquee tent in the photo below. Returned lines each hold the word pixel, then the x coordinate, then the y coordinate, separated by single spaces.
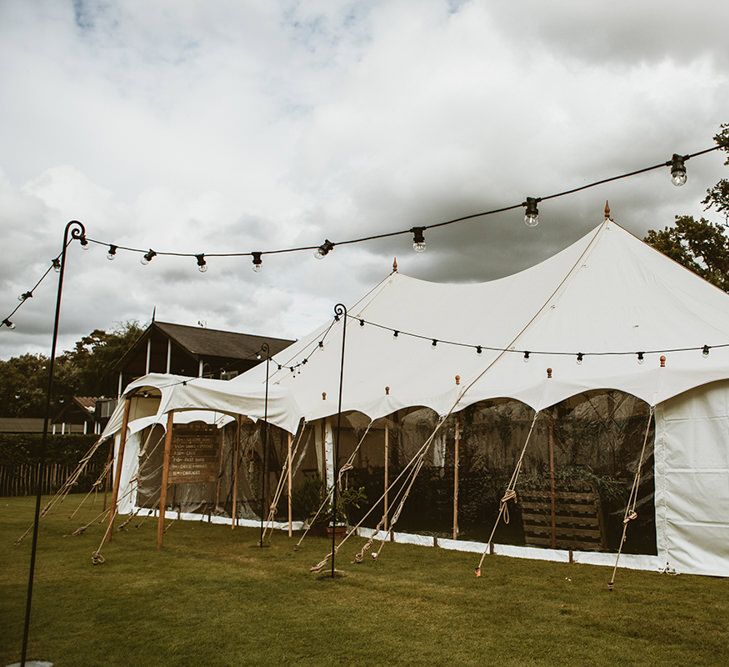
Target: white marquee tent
pixel 608 296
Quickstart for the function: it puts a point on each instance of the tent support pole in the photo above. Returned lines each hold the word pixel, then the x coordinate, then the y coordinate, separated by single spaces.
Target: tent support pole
pixel 236 457
pixel 118 467
pixel 340 310
pixel 264 468
pixel 165 477
pixel 456 455
pixel 220 468
pixel 552 485
pixel 386 507
pixel 289 482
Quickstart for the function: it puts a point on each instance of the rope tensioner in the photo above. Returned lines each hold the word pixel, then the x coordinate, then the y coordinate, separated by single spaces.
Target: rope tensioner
pixel 504 504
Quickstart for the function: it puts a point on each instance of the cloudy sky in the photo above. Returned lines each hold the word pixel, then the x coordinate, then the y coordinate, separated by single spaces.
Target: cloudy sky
pixel 239 126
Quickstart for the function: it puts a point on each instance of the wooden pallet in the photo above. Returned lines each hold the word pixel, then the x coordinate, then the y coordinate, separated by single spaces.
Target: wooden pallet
pixel 577 523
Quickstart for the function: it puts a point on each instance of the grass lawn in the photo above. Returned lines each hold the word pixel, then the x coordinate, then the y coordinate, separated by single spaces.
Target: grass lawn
pixel 211 597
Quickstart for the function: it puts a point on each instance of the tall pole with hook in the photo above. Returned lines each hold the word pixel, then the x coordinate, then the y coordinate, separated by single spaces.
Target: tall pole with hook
pixel 76 231
pixel 340 311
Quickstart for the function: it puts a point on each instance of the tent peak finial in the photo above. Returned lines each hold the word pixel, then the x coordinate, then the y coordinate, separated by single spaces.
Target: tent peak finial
pixel 607 210
pixel 394 264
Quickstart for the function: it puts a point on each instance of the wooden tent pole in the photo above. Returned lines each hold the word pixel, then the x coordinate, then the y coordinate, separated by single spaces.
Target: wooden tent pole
pixel 552 485
pixel 456 455
pixel 165 477
pixel 220 468
pixel 236 446
pixel 118 468
pixel 289 481
pixel 387 473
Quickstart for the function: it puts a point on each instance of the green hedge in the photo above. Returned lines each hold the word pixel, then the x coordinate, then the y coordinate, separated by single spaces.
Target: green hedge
pixel 16 448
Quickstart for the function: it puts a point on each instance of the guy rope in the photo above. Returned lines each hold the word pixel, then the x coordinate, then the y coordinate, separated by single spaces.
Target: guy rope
pixel 630 513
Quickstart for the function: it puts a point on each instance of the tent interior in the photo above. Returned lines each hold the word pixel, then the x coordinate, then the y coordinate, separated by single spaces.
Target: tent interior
pixel 588 428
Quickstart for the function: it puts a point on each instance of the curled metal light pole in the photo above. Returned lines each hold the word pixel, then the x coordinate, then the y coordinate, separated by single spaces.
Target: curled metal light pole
pixel 264 468
pixel 76 231
pixel 340 310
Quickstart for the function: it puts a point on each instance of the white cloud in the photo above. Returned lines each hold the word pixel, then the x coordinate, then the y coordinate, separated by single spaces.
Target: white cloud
pixel 232 126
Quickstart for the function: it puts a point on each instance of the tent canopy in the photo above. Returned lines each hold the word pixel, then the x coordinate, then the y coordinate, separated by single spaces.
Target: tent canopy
pixel 608 292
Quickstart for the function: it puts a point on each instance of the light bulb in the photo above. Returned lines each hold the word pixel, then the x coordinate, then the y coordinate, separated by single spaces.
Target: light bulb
pixel 111 255
pixel 705 351
pixel 678 178
pixel 526 357
pixel 418 239
pixel 202 268
pixel 57 265
pixel 678 170
pixel 531 217
pixel 640 357
pixel 257 262
pixel 323 250
pixel 580 356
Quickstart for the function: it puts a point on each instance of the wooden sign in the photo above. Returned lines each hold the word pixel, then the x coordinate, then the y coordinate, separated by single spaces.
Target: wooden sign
pixel 195 453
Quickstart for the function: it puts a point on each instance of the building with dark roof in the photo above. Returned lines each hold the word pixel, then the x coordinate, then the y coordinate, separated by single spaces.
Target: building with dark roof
pixel 193 351
pixel 77 415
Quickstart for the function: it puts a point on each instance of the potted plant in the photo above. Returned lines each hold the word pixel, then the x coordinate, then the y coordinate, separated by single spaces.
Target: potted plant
pixel 347 499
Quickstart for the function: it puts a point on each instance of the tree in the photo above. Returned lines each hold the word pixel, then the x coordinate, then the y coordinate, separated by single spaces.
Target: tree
pixel 701 245
pixel 82 371
pixel 23 382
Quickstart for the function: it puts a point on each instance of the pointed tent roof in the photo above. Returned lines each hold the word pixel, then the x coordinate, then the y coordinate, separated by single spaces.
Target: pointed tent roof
pixel 608 292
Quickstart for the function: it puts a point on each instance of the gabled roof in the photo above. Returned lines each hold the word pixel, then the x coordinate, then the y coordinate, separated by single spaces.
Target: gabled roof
pixel 203 342
pixel 88 403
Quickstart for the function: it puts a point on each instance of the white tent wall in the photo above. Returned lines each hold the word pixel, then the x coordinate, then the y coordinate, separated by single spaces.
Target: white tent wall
pixel 128 473
pixel 692 480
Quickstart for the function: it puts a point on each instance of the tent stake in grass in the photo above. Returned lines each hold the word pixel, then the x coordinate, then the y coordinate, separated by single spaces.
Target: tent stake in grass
pixel 165 477
pixel 77 231
pixel 339 310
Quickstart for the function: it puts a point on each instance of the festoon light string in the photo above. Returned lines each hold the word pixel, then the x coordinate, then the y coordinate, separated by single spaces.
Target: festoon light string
pixel 677 165
pixel 527 354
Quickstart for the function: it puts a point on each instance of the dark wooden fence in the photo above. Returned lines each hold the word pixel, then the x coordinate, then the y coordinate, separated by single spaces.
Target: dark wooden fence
pixel 20 479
